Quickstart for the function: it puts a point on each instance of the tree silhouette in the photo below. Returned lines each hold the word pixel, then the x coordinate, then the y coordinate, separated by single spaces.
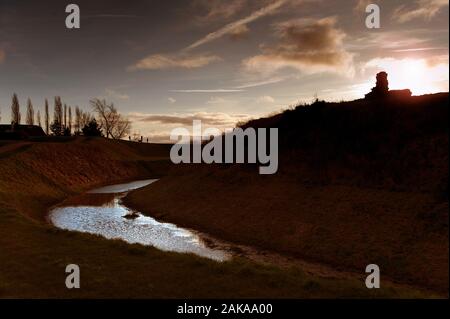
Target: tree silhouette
pixel 46 117
pixel 38 118
pixel 92 129
pixel 70 119
pixel 56 128
pixel 114 125
pixel 77 120
pixel 30 113
pixel 15 110
pixel 65 116
pixel 57 125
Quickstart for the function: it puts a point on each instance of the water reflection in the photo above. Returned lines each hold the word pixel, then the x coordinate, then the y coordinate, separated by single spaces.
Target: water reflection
pixel 101 212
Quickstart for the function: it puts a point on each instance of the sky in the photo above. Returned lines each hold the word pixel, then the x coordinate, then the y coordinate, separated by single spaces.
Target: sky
pixel 165 63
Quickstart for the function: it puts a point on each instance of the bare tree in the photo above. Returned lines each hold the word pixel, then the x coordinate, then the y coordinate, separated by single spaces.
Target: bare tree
pixel 104 114
pixel 46 117
pixel 86 118
pixel 121 129
pixel 15 110
pixel 111 121
pixel 38 118
pixel 30 113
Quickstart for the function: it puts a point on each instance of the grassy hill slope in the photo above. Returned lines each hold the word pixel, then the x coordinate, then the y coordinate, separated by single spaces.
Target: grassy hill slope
pixel 358 183
pixel 33 254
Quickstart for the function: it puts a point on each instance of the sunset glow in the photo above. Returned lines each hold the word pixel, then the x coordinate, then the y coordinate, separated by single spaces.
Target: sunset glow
pixel 418 75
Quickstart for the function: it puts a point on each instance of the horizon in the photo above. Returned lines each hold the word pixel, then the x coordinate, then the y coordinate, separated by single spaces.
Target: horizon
pixel 162 64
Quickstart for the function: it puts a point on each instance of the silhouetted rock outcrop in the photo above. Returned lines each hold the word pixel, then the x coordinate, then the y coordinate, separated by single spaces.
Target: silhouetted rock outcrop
pixel 381 89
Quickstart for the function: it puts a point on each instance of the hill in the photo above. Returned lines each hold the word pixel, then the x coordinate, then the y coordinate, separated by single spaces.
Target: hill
pixel 359 182
pixel 34 175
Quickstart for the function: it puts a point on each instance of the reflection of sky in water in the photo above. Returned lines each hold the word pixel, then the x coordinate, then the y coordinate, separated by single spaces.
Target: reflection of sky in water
pixel 107 220
pixel 120 188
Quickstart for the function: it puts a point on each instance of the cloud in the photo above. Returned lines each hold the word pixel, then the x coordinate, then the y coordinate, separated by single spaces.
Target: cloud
pixel 112 16
pixel 2 56
pixel 216 100
pixel 361 5
pixel 264 11
pixel 207 118
pixel 171 100
pixel 421 9
pixel 218 9
pixel 167 61
pixel 393 41
pixel 307 45
pixel 207 91
pixel 239 33
pixel 271 80
pixel 183 59
pixel 265 99
pixel 114 94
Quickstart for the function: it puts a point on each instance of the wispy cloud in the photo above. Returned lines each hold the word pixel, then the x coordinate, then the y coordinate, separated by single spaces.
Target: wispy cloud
pixel 166 61
pixel 239 33
pixel 420 49
pixel 253 84
pixel 217 9
pixel 116 95
pixel 264 11
pixel 207 118
pixel 113 16
pixel 265 99
pixel 171 100
pixel 207 91
pixel 184 59
pixel 361 5
pixel 421 9
pixel 216 100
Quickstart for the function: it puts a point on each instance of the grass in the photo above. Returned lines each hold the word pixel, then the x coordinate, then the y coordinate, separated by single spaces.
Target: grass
pixel 359 182
pixel 34 263
pixel 34 254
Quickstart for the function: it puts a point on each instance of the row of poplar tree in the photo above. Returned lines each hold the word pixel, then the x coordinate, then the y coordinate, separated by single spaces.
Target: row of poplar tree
pixel 63 123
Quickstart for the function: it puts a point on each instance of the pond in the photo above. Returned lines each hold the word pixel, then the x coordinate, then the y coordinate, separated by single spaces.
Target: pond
pixel 101 211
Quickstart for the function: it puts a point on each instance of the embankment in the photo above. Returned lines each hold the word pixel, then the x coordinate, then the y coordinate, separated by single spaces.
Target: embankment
pixel 36 175
pixel 359 183
pixel 34 255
